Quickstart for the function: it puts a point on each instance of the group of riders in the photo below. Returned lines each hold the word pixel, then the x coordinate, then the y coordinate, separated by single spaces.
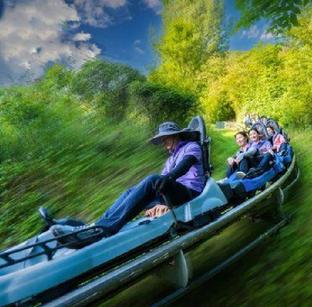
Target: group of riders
pixel 182 178
pixel 256 152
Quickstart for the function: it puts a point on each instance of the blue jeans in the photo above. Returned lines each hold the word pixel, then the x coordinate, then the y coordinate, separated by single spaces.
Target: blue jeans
pixel 283 147
pixel 262 162
pixel 133 201
pixel 242 167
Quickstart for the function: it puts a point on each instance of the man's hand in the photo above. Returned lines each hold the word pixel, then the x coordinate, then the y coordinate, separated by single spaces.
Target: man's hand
pixel 157 211
pixel 150 212
pixel 231 161
pixel 161 210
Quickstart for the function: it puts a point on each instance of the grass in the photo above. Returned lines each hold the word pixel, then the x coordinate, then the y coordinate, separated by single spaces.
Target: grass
pixel 277 273
pixel 82 177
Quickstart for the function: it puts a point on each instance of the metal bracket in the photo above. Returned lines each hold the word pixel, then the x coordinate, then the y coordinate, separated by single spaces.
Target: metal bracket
pixel 279 196
pixel 178 294
pixel 279 199
pixel 176 272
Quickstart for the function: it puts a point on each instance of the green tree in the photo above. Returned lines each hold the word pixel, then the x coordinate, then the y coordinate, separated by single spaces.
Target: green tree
pixel 296 73
pixel 180 50
pixel 106 84
pixel 283 14
pixel 57 77
pixel 207 18
pixel 213 99
pixel 162 103
pixel 301 35
pixel 192 33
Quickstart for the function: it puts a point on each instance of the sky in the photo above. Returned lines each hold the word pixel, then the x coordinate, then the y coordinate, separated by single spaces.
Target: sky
pixel 34 34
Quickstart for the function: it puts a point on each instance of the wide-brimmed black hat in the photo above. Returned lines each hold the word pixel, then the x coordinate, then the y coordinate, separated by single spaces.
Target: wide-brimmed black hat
pixel 171 128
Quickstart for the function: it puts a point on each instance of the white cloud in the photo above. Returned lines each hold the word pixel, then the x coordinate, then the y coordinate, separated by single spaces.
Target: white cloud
pixel 32 36
pixel 155 5
pixel 266 36
pixel 82 37
pixel 252 32
pixel 137 46
pixel 139 50
pixel 258 33
pixel 114 3
pixel 94 12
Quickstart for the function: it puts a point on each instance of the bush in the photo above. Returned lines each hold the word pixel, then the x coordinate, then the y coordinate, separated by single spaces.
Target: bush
pixel 160 103
pixel 68 159
pixel 106 85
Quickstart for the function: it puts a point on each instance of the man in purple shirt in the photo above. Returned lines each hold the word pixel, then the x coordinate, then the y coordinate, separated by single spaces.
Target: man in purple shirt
pixel 181 180
pixel 194 178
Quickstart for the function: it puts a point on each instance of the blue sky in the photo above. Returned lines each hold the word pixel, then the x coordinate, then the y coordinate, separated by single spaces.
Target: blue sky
pixel 129 40
pixel 36 33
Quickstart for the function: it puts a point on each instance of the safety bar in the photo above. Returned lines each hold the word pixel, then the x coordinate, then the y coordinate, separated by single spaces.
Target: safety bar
pixel 48 251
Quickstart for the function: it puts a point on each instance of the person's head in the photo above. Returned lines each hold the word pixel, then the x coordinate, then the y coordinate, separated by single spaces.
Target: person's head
pixel 254 135
pixel 241 138
pixel 270 130
pixel 169 134
pixel 170 142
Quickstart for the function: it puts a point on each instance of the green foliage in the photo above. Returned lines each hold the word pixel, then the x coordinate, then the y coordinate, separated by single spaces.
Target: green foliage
pixel 69 160
pixel 301 35
pixel 276 273
pixel 213 98
pixel 192 33
pixel 34 117
pixel 181 47
pixel 250 83
pixel 283 14
pixel 161 103
pixel 268 79
pixel 206 17
pixel 56 78
pixel 106 85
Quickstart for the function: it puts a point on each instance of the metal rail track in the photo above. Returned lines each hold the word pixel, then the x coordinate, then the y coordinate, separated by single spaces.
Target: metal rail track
pixel 124 274
pixel 166 301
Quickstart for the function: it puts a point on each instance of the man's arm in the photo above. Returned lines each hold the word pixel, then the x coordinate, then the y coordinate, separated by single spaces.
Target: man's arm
pixel 250 152
pixel 180 169
pixel 183 167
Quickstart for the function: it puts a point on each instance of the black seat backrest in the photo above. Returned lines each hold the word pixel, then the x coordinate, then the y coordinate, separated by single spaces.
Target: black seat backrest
pixel 278 128
pixel 261 128
pixel 274 124
pixel 267 121
pixel 197 124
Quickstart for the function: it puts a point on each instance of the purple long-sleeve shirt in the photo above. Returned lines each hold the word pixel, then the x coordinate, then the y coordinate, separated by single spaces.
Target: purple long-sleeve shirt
pixel 251 149
pixel 194 178
pixel 263 146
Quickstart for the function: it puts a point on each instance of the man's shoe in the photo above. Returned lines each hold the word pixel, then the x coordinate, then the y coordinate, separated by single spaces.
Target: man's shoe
pixel 49 220
pixel 79 236
pixel 224 180
pixel 254 172
pixel 240 175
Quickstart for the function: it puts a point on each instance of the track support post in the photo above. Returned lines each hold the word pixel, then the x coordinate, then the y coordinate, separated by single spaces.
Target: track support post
pixel 279 199
pixel 176 272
